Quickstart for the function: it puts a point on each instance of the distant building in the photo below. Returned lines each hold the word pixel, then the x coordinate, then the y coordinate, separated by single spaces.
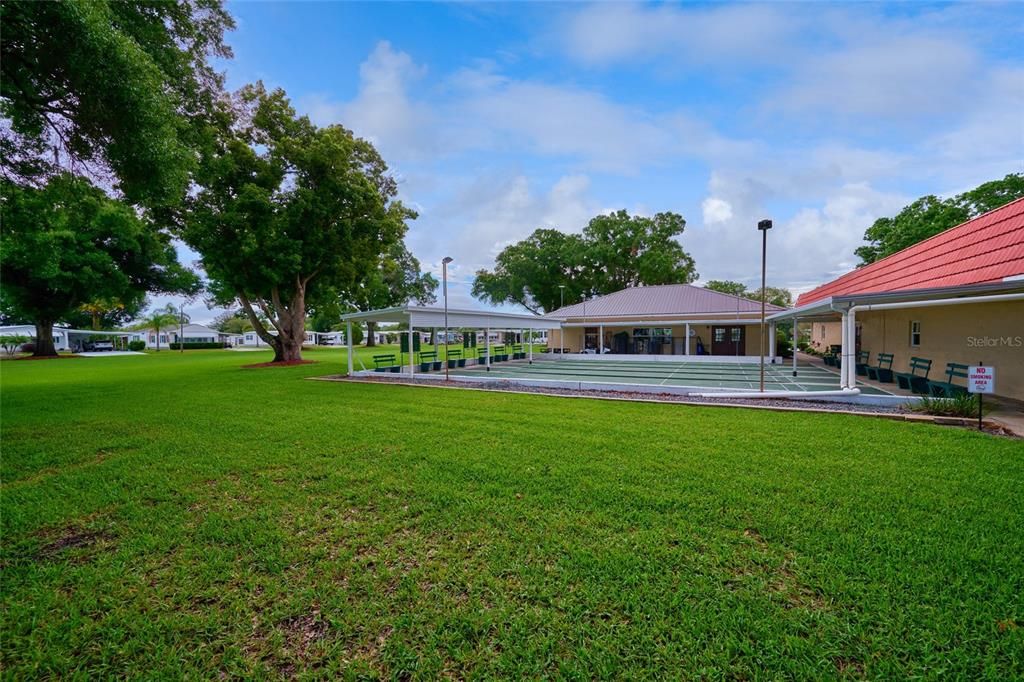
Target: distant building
pixel 672 319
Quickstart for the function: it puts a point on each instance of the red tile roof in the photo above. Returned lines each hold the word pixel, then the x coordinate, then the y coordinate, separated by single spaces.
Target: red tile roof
pixel 986 249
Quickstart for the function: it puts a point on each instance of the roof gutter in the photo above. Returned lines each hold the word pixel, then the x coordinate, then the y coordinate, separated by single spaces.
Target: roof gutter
pixel 848 369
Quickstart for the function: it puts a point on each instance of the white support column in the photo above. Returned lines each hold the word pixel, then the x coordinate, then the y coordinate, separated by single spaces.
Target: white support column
pixel 845 344
pixel 600 339
pixel 348 343
pixel 850 362
pixel 686 341
pixel 412 354
pixel 487 332
pixel 796 337
pixel 772 341
pixel 532 334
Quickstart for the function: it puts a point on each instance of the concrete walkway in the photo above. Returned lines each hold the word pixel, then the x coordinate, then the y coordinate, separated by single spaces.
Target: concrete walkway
pixel 107 354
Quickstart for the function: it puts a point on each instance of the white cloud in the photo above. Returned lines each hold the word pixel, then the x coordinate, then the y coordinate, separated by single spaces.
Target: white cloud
pixel 716 210
pixel 813 245
pixel 383 112
pixel 605 33
pixel 899 77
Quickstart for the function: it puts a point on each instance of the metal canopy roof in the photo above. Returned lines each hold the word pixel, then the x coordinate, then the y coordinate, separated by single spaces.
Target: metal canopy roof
pixel 424 317
pixel 830 308
pixel 661 300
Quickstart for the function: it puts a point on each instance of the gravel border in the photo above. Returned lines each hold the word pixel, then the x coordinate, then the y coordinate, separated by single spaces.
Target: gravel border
pixel 508 387
pixel 898 413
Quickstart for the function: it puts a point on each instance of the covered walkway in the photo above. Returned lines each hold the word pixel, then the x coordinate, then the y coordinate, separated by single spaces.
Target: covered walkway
pixel 415 318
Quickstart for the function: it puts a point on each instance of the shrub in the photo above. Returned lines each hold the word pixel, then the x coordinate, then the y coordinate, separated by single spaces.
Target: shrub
pixel 963 405
pixel 783 347
pixel 198 345
pixel 29 348
pixel 11 343
pixel 137 345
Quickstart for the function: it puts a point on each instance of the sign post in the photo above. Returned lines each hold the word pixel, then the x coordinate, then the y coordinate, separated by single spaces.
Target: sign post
pixel 981 380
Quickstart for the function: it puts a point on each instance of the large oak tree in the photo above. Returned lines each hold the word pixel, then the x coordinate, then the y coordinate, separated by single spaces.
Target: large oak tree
pixel 67 245
pixel 288 215
pixel 614 252
pixel 930 215
pixel 120 91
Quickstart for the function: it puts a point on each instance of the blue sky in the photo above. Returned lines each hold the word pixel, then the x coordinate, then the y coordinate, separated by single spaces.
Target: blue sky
pixel 502 118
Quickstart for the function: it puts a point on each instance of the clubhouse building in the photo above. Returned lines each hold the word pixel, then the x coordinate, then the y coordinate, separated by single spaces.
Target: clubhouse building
pixel 672 319
pixel 957 297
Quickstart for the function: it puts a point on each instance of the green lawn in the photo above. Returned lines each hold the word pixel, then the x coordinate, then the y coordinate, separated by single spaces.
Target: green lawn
pixel 176 516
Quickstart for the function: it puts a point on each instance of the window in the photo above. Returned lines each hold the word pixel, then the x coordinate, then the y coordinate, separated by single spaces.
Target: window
pixel 736 333
pixel 719 334
pixel 822 334
pixel 590 337
pixel 642 331
pixel 915 333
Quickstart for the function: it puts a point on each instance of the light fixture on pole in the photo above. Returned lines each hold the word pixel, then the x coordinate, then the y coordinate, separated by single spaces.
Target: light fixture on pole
pixel 763 226
pixel 444 279
pixel 561 304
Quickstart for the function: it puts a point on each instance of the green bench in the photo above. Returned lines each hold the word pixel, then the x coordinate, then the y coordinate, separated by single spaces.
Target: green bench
pixel 863 357
pixel 916 380
pixel 428 361
pixel 385 363
pixel 833 358
pixel 882 371
pixel 498 354
pixel 947 389
pixel 454 358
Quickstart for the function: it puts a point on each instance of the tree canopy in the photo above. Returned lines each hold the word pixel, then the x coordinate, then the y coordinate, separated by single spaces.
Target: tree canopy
pixel 289 215
pixel 117 90
pixel 395 281
pixel 773 295
pixel 614 252
pixel 930 215
pixel 67 245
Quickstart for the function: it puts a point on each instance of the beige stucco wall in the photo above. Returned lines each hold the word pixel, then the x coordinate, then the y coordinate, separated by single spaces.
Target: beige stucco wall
pixel 826 334
pixel 992 333
pixel 573 336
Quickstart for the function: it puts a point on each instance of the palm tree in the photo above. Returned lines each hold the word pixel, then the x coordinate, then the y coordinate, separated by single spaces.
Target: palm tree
pixel 161 318
pixel 99 307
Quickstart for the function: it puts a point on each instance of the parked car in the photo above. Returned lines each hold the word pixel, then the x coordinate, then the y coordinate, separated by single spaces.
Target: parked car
pixel 97 346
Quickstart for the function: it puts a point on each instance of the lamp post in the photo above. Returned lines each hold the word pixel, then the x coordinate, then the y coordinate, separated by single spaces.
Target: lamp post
pixel 763 226
pixel 444 279
pixel 561 304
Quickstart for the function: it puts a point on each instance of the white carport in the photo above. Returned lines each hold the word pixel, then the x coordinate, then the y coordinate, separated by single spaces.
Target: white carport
pixel 426 317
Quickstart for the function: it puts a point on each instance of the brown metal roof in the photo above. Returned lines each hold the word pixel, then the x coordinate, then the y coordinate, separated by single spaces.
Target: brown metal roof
pixel 667 299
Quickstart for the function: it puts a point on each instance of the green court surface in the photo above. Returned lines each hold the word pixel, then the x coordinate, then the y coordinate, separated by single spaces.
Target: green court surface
pixel 719 375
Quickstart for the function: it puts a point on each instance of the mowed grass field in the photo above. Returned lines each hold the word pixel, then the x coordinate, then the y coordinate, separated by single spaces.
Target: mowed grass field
pixel 177 516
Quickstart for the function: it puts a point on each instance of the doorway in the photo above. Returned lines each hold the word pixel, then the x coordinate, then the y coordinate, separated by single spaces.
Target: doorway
pixel 731 340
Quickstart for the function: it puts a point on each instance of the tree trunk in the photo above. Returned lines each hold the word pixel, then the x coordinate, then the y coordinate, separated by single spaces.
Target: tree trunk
pixel 289 321
pixel 371 340
pixel 44 340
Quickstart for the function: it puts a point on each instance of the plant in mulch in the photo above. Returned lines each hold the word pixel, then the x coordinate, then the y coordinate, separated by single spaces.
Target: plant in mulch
pixel 963 405
pixel 12 343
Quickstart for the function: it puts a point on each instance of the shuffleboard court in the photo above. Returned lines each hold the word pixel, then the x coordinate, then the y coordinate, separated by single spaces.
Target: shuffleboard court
pixel 718 375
